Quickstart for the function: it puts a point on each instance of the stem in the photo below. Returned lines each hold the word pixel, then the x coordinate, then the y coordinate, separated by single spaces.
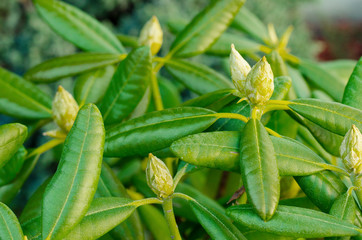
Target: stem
pixel 170 218
pixel 271 132
pixel 273 107
pixel 336 169
pixel 179 175
pixel 45 147
pixel 146 201
pixel 156 92
pixel 278 102
pixel 184 196
pixel 232 116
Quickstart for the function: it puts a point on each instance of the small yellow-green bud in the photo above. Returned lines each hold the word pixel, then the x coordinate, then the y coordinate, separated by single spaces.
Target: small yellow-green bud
pixel 151 35
pixel 239 69
pixel 351 150
pixel 158 177
pixel 65 109
pixel 259 84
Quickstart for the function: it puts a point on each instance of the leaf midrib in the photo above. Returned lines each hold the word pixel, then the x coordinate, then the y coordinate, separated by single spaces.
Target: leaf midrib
pixel 6 225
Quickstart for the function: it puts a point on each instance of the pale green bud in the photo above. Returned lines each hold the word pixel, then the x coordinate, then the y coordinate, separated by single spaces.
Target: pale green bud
pixel 259 85
pixel 351 150
pixel 65 109
pixel 239 69
pixel 151 35
pixel 158 177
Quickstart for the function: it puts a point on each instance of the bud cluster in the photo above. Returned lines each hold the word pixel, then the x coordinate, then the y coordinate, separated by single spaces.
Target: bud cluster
pixel 256 83
pixel 351 150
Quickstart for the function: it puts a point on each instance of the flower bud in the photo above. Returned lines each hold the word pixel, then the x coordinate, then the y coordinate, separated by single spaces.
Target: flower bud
pixel 259 85
pixel 239 69
pixel 158 177
pixel 151 35
pixel 351 150
pixel 65 109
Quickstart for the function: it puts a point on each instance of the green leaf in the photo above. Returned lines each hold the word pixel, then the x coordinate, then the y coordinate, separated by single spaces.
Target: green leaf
pixel 322 188
pixel 213 100
pixel 9 191
pixel 220 150
pixel 322 79
pixel 155 222
pixel 128 41
pixel 127 86
pixel 259 169
pixel 277 64
pixel 9 224
pixel 345 207
pixel 12 167
pixel 71 65
pixel 282 85
pixel 110 186
pixel 352 93
pixel 197 77
pixel 300 85
pixel 247 22
pixel 78 27
pixel 12 136
pixel 103 215
pixel 22 99
pixel 215 227
pixel 71 190
pixel 335 117
pixel 342 68
pixel 155 130
pixel 169 93
pixel 90 87
pixel 294 222
pixel 205 28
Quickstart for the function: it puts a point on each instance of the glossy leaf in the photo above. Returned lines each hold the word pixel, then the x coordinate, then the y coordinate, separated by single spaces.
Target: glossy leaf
pixel 213 100
pixel 259 170
pixel 220 150
pixel 205 28
pixel 22 99
pixel 12 167
pixel 90 87
pixel 322 188
pixel 197 77
pixel 9 224
pixel 345 207
pixel 127 86
pixel 300 85
pixel 322 79
pixel 67 66
pixel 103 215
pixel 9 191
pixel 12 137
pixel 128 41
pixel 155 130
pixel 71 190
pixel 282 85
pixel 342 68
pixel 247 22
pixel 215 227
pixel 78 27
pixel 335 117
pixel 110 186
pixel 352 93
pixel 294 221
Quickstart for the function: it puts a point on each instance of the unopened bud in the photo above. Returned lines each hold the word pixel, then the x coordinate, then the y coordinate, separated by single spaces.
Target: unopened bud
pixel 151 35
pixel 259 85
pixel 158 177
pixel 239 69
pixel 351 150
pixel 65 109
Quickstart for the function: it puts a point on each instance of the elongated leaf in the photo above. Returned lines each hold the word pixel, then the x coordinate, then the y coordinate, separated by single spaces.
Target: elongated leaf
pixel 58 68
pixel 221 150
pixel 322 188
pixel 110 186
pixel 127 86
pixel 9 224
pixel 282 85
pixel 197 77
pixel 155 222
pixel 322 79
pixel 12 136
pixel 71 190
pixel 335 117
pixel 300 85
pixel 259 169
pixel 9 191
pixel 90 87
pixel 216 228
pixel 128 41
pixel 352 93
pixel 155 130
pixel 247 22
pixel 103 215
pixel 205 28
pixel 213 100
pixel 12 167
pixel 22 99
pixel 78 27
pixel 342 68
pixel 294 222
